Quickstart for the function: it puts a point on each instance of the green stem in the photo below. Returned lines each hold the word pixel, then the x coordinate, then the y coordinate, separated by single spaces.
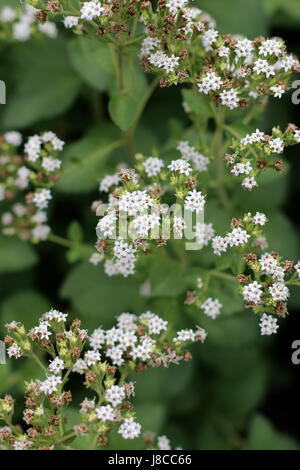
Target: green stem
pixel 99 153
pixel 35 357
pixel 217 151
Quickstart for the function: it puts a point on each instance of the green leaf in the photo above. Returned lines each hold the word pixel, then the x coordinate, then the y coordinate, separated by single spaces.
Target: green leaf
pixel 198 103
pixel 263 436
pixel 5 375
pixel 236 331
pixel 236 396
pixel 238 17
pixel 25 306
pixel 282 235
pixel 84 161
pixel 166 278
pixel 92 61
pixel 290 7
pixel 45 84
pixel 161 384
pixel 75 232
pixel 99 298
pixel 226 291
pixel 123 109
pixel 16 255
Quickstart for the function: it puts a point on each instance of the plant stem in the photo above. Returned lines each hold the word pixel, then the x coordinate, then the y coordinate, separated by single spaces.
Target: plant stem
pixel 35 357
pixel 217 151
pixel 99 153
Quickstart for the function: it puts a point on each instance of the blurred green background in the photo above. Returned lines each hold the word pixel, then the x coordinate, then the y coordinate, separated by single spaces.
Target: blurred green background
pixel 241 390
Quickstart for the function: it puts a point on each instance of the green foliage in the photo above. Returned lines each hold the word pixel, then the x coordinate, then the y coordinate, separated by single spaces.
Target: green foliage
pixel 16 255
pixel 53 81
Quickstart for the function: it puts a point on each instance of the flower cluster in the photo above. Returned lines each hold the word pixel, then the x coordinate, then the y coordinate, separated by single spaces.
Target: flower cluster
pixel 258 152
pixel 38 169
pixel 136 217
pixel 136 343
pixel 19 24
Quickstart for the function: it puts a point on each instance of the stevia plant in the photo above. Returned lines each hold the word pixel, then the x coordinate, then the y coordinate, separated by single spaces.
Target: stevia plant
pixel 157 215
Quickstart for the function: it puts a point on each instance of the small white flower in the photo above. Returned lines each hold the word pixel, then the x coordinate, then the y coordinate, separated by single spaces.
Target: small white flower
pixel 129 429
pixel 268 324
pixel 56 365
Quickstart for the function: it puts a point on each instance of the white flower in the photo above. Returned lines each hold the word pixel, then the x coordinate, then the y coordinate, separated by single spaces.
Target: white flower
pixel 279 291
pixel 277 145
pixel 108 181
pixel 175 5
pixel 262 66
pixel 237 237
pixel 163 443
pixel 55 315
pixel 13 138
pixel 278 90
pixel 253 292
pixel 148 45
pixel 143 223
pixel 243 48
pixel 153 166
pixel 105 413
pixel 92 357
pixel 14 351
pixel 107 225
pixel 204 233
pixel 7 218
pixel 211 82
pixel 41 232
pixel 184 335
pixel 219 245
pixel 156 324
pixel 259 219
pixel 249 183
pixel 51 164
pixel 180 166
pixel 71 21
pixel 143 351
pixel 97 338
pixel 80 367
pixel 135 202
pixel 115 395
pixel 96 258
pixel 21 30
pixel 7 14
pixel 56 365
pixel 194 201
pixel 268 325
pixel 297 268
pixel 297 135
pixel 50 385
pixel 130 429
pixel 229 98
pixel 49 29
pixel 270 46
pixel 178 225
pixel 91 10
pixel 208 38
pixel 41 198
pixel 212 307
pixel 33 147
